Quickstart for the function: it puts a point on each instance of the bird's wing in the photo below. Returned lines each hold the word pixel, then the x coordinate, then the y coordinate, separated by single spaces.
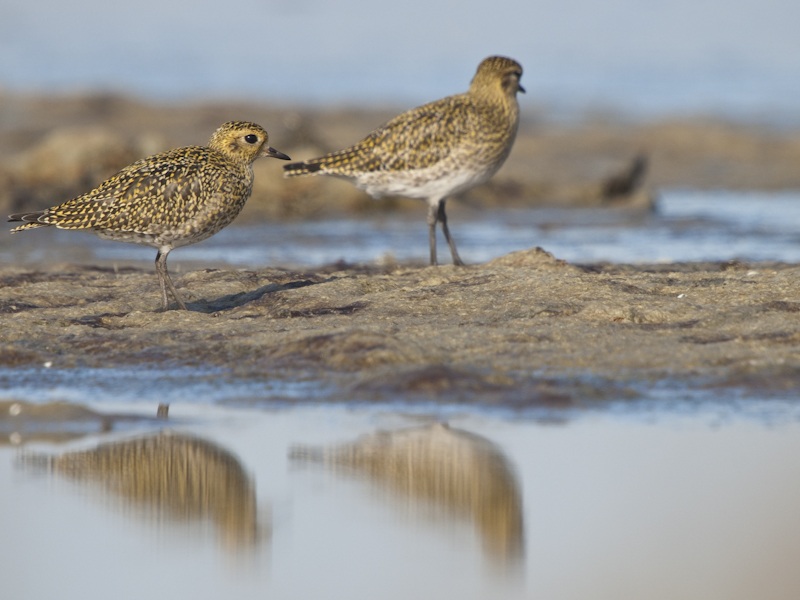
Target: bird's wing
pixel 416 139
pixel 129 199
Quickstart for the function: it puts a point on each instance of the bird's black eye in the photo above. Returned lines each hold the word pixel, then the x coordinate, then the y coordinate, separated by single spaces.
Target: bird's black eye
pixel 251 138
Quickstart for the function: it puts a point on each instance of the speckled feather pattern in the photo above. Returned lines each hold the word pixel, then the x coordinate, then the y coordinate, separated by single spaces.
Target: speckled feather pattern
pixel 168 200
pixel 174 198
pixel 436 149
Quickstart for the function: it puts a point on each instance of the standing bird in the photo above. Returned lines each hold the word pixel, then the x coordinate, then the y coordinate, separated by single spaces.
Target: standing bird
pixel 435 150
pixel 172 199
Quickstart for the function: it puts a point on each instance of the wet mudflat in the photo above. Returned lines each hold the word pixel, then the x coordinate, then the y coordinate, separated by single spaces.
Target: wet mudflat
pixel 519 330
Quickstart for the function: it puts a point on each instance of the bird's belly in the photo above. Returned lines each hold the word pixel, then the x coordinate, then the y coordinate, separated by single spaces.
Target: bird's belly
pixel 133 237
pixel 175 232
pixel 433 182
pixel 173 237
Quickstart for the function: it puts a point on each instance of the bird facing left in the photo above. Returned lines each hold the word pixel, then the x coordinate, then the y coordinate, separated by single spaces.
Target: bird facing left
pixel 172 199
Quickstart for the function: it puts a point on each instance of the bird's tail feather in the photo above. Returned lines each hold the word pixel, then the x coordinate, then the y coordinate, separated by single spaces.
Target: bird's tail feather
pixel 31 221
pixel 301 168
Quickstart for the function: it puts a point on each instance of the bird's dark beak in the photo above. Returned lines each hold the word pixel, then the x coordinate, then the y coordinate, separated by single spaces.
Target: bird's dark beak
pixel 270 151
pixel 520 88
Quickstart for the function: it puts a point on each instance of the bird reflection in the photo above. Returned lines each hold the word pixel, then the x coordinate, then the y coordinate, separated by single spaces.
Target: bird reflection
pixel 58 422
pixel 453 471
pixel 170 475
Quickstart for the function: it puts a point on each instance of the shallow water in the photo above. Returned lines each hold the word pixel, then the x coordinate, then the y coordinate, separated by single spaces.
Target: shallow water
pixel 687 226
pixel 633 505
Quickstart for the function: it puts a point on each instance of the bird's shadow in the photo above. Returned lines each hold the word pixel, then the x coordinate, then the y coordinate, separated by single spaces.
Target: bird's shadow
pixel 232 301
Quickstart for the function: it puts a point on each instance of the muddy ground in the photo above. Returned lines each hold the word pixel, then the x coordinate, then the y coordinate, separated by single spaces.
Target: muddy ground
pixel 521 330
pixel 525 329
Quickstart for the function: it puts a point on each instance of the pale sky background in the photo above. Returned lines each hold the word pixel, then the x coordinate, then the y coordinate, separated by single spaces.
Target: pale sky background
pixel 739 56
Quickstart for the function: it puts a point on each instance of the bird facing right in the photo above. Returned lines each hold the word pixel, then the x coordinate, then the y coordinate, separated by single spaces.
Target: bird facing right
pixel 168 200
pixel 435 150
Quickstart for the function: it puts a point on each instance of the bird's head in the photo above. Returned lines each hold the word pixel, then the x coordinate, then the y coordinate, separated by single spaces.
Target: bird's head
pixel 243 141
pixel 498 74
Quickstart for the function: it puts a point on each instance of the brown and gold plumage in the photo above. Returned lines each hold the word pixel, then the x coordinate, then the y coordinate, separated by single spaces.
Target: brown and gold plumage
pixel 172 199
pixel 435 150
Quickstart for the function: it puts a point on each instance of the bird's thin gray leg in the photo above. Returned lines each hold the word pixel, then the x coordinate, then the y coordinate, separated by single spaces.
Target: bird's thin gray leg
pixel 442 218
pixel 433 216
pixel 166 282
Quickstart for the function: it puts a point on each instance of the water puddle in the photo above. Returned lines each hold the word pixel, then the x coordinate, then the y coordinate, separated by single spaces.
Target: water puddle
pixel 337 502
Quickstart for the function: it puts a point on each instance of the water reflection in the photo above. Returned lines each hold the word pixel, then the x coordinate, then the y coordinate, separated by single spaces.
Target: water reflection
pixel 169 476
pixel 622 502
pixel 58 422
pixel 456 474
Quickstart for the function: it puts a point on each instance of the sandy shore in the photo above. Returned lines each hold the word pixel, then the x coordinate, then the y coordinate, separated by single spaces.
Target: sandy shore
pixel 525 329
pixel 520 330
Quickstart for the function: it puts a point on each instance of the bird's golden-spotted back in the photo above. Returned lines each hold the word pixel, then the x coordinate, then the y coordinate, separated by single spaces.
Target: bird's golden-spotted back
pixel 179 191
pixel 476 127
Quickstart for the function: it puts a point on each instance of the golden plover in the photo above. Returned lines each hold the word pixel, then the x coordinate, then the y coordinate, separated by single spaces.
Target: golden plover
pixel 168 200
pixel 435 150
